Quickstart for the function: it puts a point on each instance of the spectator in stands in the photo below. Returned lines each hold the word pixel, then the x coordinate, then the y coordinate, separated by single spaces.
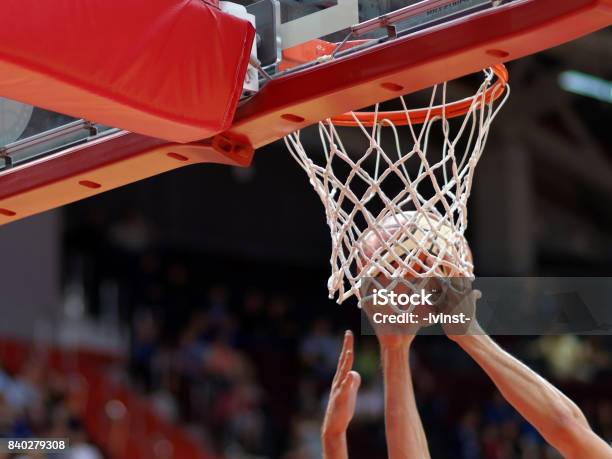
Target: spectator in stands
pixel 38 405
pixel 144 348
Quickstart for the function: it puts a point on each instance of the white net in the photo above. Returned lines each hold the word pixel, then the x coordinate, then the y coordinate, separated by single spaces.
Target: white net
pixel 398 209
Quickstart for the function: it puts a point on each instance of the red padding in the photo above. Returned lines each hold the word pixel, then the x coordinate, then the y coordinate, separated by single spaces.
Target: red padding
pixel 171 69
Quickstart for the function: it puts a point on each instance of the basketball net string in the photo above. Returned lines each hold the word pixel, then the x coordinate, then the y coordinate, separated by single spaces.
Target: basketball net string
pixel 422 194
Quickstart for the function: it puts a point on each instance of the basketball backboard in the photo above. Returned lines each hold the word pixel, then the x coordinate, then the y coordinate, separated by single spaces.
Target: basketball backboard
pixel 287 24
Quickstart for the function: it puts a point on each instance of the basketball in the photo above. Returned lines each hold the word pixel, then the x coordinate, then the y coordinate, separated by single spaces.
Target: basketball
pixel 424 237
pixel 423 243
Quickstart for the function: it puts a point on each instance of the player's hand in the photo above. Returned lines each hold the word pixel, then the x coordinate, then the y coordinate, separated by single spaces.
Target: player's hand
pixel 343 394
pixel 457 297
pixel 391 335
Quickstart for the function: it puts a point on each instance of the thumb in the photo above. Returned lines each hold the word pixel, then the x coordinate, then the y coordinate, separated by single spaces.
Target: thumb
pixel 355 380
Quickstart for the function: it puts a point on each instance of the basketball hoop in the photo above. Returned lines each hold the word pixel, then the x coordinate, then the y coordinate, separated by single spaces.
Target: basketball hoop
pixel 450 110
pixel 418 187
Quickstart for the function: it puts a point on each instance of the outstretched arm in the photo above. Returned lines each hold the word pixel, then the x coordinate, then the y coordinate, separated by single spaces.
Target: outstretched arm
pixel 554 415
pixel 341 405
pixel 405 435
pixel 403 427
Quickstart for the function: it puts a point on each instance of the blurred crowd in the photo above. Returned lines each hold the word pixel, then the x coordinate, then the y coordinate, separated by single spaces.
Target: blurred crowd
pixel 242 354
pixel 37 402
pixel 253 377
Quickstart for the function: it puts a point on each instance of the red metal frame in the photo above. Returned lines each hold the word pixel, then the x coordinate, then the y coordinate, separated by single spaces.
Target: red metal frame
pixel 301 98
pixel 415 62
pixel 110 162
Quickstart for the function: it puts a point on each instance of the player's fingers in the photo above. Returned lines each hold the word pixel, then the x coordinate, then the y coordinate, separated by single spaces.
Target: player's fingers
pixel 355 380
pixel 348 340
pixel 342 353
pixel 346 364
pixel 349 386
pixel 347 345
pixel 345 380
pixel 345 383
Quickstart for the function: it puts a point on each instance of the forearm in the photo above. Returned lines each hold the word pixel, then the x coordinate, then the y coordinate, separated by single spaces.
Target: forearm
pixel 405 435
pixel 334 446
pixel 542 404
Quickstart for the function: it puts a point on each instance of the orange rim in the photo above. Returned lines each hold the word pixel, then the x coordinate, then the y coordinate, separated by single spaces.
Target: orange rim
pixel 421 115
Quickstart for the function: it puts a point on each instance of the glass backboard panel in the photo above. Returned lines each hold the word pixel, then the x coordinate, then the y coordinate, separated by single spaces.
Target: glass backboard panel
pixel 284 24
pixel 28 133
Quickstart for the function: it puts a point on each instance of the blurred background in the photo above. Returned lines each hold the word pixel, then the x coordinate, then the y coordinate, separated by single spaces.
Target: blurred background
pixel 186 316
